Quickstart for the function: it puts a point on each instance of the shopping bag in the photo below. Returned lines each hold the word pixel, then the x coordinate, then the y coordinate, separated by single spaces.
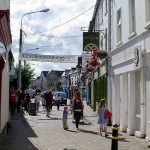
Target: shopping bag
pixel 108 114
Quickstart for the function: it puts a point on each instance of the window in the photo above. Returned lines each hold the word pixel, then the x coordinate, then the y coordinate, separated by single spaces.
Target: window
pixel 119 26
pixel 101 41
pixel 147 7
pixel 101 12
pixel 106 3
pixel 106 39
pixel 131 16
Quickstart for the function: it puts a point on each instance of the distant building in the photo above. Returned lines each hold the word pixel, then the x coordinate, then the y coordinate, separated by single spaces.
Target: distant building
pixel 52 78
pixel 65 82
pixel 43 80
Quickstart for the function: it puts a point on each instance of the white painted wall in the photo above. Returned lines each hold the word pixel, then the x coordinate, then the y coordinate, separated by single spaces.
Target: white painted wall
pixel 5 95
pixel 4 4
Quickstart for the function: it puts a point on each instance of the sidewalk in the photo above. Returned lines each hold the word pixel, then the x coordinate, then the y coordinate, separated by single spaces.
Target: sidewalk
pixel 125 142
pixel 30 133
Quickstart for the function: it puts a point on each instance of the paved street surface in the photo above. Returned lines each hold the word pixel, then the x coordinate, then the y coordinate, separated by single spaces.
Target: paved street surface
pixel 41 133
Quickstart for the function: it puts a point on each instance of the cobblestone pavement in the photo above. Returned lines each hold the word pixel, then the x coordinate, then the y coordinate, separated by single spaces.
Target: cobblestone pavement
pixel 41 133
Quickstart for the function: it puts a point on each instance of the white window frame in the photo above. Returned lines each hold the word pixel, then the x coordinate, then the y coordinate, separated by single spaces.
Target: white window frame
pixel 132 19
pixel 147 14
pixel 119 27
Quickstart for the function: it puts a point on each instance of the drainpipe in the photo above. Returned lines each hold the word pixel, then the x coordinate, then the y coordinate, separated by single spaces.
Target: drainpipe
pixel 109 58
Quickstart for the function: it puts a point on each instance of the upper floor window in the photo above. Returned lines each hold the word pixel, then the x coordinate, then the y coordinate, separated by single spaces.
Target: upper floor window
pixel 131 16
pixel 119 36
pixel 101 44
pixel 106 5
pixel 106 39
pixel 147 7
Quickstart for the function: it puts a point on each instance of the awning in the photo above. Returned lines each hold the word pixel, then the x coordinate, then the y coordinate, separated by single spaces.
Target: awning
pixel 5 32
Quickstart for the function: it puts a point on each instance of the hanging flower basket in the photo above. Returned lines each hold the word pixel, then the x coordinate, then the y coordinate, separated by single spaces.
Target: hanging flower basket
pixel 100 53
pixel 91 68
pixel 95 61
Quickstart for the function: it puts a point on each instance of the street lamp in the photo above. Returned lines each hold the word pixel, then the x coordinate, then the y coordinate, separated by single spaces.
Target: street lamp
pixel 27 51
pixel 31 49
pixel 20 46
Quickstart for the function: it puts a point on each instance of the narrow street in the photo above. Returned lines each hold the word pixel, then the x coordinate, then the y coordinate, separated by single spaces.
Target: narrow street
pixel 41 133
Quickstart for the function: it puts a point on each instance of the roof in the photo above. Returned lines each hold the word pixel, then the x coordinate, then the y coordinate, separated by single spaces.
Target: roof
pixel 57 72
pixel 45 73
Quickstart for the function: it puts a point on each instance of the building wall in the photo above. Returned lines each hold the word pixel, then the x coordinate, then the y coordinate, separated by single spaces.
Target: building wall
pixel 5 96
pixel 4 4
pixel 126 76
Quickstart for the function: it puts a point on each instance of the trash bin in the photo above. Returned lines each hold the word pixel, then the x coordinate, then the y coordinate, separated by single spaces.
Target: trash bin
pixel 32 108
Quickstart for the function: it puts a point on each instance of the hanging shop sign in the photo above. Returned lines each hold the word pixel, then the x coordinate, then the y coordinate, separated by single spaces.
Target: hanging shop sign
pixel 49 58
pixel 90 41
pixel 85 59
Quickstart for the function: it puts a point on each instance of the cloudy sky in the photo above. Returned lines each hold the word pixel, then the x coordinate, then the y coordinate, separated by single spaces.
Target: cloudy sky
pixel 57 32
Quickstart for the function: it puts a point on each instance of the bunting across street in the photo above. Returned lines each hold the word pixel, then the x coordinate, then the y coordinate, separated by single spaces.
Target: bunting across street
pixel 49 58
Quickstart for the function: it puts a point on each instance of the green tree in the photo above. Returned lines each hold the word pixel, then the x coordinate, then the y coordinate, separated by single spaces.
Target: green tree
pixel 58 86
pixel 27 75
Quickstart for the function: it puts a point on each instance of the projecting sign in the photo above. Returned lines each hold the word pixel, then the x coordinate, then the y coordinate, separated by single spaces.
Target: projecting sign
pixel 85 58
pixel 49 58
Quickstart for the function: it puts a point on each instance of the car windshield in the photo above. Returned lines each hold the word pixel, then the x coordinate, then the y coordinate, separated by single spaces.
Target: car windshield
pixel 62 94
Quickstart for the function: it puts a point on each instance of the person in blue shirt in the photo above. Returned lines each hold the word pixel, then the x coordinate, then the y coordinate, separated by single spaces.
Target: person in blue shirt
pixel 65 117
pixel 101 117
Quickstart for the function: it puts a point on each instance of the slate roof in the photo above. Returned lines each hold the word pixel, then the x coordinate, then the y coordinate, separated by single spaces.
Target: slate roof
pixel 45 73
pixel 58 72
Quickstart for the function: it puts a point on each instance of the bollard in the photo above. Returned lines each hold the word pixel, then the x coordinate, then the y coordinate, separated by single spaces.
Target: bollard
pixel 115 137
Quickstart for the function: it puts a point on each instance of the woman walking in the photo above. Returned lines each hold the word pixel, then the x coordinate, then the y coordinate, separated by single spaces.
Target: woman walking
pixel 77 107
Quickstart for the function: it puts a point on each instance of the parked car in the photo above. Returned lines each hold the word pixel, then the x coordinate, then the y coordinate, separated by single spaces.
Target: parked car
pixel 63 97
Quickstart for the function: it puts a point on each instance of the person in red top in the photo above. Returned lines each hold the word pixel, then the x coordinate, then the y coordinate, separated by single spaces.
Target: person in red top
pixel 12 100
pixel 49 99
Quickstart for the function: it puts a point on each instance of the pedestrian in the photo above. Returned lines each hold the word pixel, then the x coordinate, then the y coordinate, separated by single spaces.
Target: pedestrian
pixel 77 107
pixel 101 117
pixel 43 102
pixel 27 101
pixel 12 100
pixel 58 99
pixel 65 117
pixel 19 97
pixel 49 99
pixel 38 99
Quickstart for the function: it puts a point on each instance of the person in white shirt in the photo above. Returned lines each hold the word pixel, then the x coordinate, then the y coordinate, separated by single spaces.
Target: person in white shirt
pixel 58 98
pixel 37 100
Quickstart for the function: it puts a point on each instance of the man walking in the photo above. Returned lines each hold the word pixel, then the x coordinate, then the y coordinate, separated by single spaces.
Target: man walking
pixel 49 99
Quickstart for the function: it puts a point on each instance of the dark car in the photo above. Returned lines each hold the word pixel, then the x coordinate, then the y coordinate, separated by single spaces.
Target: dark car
pixel 63 97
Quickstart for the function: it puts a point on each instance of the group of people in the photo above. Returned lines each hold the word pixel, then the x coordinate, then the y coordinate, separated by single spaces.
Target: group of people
pixel 77 107
pixel 18 99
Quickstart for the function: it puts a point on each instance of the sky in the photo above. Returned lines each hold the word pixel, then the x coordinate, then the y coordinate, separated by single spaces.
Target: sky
pixel 57 32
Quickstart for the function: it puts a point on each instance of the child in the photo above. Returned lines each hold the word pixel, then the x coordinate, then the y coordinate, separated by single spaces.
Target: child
pixel 65 116
pixel 101 117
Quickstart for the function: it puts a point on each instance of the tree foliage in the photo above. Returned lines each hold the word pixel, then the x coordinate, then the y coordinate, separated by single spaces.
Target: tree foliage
pixel 58 86
pixel 27 75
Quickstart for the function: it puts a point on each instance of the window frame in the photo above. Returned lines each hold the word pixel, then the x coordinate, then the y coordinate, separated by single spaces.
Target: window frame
pixel 119 26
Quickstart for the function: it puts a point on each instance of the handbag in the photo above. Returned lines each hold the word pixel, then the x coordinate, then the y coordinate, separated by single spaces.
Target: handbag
pixel 108 114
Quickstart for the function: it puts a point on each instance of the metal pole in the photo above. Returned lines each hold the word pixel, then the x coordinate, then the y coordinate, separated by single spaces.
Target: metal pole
pixel 109 59
pixel 19 66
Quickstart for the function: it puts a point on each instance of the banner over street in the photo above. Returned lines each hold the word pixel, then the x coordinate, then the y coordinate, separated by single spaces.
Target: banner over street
pixel 49 58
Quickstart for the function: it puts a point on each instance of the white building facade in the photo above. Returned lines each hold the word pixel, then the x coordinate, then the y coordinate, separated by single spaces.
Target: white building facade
pixel 5 42
pixel 130 66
